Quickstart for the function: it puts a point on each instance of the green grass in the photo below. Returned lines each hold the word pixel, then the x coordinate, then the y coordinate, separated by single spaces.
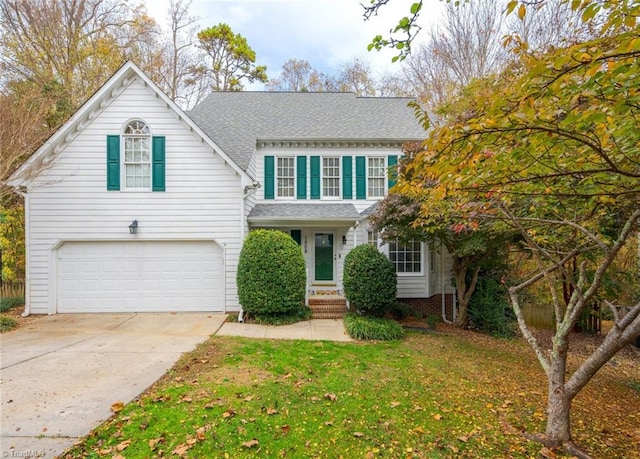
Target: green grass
pixel 429 396
pixel 7 323
pixel 370 328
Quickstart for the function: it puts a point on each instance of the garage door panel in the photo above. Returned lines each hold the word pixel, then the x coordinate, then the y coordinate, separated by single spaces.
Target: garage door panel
pixel 140 276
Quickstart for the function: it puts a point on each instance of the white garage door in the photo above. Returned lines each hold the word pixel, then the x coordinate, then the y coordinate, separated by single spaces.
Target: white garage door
pixel 158 276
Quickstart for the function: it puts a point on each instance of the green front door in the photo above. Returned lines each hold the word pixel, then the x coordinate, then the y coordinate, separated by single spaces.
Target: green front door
pixel 324 257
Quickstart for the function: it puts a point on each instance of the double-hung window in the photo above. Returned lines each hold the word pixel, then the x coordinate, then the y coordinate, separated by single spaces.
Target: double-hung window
pixel 137 156
pixel 406 257
pixel 331 177
pixel 285 177
pixel 376 176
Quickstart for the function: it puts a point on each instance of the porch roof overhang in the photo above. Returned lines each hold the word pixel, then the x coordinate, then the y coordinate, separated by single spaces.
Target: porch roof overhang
pixel 303 215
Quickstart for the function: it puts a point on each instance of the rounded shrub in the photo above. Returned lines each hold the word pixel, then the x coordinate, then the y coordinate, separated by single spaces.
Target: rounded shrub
pixel 271 277
pixel 369 281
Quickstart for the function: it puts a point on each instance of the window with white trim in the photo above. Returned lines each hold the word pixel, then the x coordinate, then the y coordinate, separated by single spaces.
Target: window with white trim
pixel 406 256
pixel 285 177
pixel 137 156
pixel 432 258
pixel 372 238
pixel 376 176
pixel 331 177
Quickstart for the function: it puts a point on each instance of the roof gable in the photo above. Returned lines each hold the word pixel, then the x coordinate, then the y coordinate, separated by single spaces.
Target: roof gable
pixel 90 110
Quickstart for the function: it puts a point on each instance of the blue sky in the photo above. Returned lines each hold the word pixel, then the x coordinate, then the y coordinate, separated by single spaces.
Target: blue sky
pixel 326 33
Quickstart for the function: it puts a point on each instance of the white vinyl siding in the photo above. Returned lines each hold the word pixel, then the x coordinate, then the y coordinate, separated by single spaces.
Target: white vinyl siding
pixel 331 177
pixel 285 177
pixel 69 201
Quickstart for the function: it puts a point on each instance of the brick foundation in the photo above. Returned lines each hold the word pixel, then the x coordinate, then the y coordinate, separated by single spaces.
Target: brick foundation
pixel 431 306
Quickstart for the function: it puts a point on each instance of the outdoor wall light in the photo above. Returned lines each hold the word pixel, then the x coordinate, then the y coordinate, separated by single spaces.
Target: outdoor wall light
pixel 344 239
pixel 133 227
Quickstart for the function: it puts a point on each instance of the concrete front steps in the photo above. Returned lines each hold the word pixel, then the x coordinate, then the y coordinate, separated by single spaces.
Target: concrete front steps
pixel 327 306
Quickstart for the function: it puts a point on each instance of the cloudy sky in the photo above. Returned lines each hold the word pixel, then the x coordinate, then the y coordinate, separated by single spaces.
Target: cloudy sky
pixel 326 33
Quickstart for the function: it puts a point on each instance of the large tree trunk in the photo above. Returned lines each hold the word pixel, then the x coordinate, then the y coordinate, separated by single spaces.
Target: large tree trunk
pixel 558 430
pixel 463 290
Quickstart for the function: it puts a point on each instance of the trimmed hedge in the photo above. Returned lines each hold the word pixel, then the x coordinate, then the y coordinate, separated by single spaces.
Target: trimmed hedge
pixel 372 328
pixel 271 277
pixel 369 281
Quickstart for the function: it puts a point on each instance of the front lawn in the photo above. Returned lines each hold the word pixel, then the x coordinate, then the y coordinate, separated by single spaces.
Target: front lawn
pixel 450 394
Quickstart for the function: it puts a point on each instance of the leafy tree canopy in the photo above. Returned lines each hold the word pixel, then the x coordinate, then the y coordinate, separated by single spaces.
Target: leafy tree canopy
pixel 549 147
pixel 231 59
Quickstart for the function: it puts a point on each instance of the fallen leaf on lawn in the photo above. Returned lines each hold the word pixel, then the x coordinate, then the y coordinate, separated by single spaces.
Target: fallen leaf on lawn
pixel 330 396
pixel 187 399
pixel 287 376
pixel 228 413
pixel 118 456
pixel 437 416
pixel 453 448
pixel 271 411
pixel 154 442
pixel 358 434
pixel 181 449
pixel 104 452
pixel 285 429
pixel 117 407
pixel 394 404
pixel 248 398
pixel 123 445
pixel 200 433
pixel 250 443
pixel 546 452
pixel 314 399
pixel 419 430
pixel 463 438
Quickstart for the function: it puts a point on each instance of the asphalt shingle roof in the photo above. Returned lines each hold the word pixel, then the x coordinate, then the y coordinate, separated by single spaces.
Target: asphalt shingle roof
pixel 237 120
pixel 290 211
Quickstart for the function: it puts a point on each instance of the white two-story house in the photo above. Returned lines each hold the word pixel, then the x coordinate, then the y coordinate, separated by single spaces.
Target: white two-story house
pixel 136 206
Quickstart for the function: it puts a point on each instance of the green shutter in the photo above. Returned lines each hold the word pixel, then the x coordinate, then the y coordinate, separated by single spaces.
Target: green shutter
pixel 113 162
pixel 347 177
pixel 158 164
pixel 315 177
pixel 269 179
pixel 361 177
pixel 392 169
pixel 296 235
pixel 301 172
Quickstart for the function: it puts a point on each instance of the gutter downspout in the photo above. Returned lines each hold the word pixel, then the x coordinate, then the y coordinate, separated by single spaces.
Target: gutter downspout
pixel 248 191
pixel 27 239
pixel 442 288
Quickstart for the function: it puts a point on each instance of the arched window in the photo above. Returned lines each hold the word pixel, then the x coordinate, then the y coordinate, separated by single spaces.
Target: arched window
pixel 137 155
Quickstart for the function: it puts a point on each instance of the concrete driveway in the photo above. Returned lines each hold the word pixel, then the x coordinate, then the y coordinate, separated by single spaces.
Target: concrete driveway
pixel 60 376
